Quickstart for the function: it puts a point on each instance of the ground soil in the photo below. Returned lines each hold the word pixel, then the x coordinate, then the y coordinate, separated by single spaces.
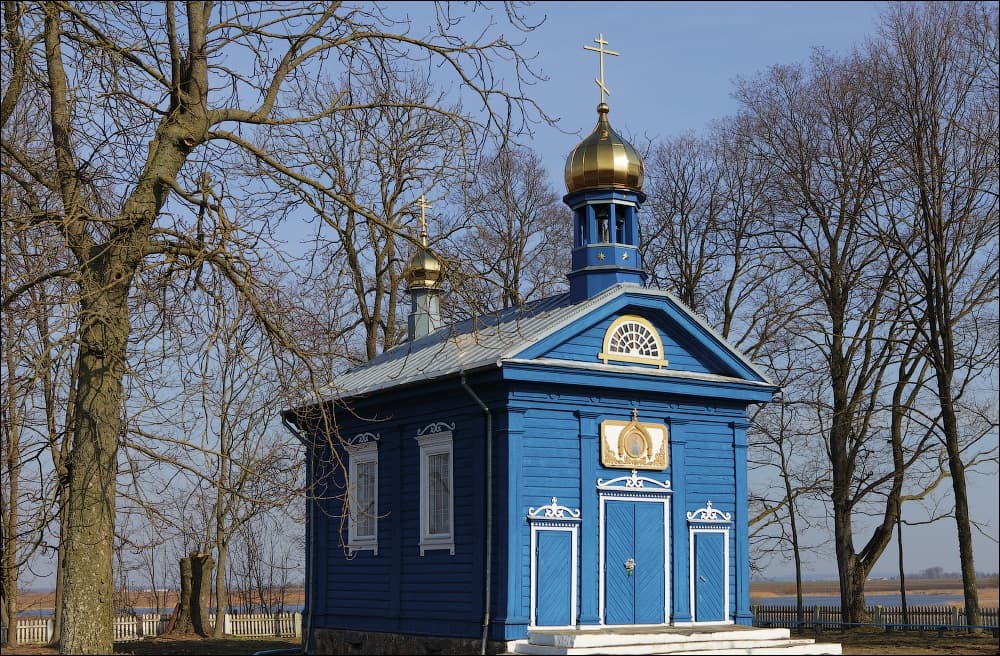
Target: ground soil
pixel 877 641
pixel 859 641
pixel 179 646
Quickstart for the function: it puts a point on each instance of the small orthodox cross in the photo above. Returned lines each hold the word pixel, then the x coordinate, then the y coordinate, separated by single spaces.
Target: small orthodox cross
pixel 635 414
pixel 423 205
pixel 601 52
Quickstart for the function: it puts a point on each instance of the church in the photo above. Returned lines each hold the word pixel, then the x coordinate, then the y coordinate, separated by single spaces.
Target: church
pixel 578 462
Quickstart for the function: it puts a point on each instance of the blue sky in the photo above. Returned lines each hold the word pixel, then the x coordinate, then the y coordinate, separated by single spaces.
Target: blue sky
pixel 675 74
pixel 678 60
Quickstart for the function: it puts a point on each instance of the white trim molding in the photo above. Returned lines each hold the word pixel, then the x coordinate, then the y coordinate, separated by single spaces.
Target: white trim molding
pixel 436 439
pixel 710 520
pixel 554 517
pixel 634 483
pixel 362 449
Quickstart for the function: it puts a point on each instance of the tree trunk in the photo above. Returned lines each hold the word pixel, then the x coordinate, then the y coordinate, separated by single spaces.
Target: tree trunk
pixel 222 547
pixel 201 589
pixel 183 623
pixel 962 523
pixel 87 608
pixel 196 585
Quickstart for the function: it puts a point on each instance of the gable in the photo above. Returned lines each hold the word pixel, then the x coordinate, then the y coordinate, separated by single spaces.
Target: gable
pixel 687 344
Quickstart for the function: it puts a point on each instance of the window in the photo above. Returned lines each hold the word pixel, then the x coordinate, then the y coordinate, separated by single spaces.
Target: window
pixel 633 339
pixel 436 488
pixel 362 524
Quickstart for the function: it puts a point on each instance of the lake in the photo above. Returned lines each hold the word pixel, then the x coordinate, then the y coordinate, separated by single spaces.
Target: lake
pixel 912 600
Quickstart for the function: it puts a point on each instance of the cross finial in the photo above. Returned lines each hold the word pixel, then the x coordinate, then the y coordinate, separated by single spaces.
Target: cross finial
pixel 601 51
pixel 635 414
pixel 423 205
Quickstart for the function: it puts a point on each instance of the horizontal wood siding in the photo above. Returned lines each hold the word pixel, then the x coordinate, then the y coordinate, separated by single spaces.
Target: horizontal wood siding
pixel 550 467
pixel 398 589
pixel 710 476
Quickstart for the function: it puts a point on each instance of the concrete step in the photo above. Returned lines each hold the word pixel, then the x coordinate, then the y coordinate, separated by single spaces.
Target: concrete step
pixel 687 648
pixel 609 636
pixel 702 639
pixel 814 648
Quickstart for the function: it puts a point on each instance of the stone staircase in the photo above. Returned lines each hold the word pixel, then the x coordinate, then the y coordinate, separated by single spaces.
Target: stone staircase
pixel 718 639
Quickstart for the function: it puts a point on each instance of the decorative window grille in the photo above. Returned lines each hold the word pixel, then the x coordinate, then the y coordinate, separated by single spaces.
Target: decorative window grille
pixel 439 494
pixel 362 474
pixel 633 339
pixel 437 497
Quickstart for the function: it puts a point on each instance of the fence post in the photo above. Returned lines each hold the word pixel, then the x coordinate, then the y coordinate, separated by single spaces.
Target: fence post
pixel 816 624
pixel 50 630
pixel 298 624
pixel 227 624
pixel 877 615
pixel 954 616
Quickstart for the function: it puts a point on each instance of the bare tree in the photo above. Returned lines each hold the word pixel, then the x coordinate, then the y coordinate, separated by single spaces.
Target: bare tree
pixel 817 128
pixel 140 100
pixel 405 141
pixel 936 80
pixel 515 244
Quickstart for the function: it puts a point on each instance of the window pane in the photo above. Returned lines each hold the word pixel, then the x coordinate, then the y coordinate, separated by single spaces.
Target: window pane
pixel 439 494
pixel 364 500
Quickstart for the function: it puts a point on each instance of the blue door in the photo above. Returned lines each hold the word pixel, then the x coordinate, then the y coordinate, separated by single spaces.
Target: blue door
pixel 553 592
pixel 635 563
pixel 709 577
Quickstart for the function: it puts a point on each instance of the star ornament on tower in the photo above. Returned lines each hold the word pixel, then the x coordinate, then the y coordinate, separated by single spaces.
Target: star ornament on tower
pixel 601 51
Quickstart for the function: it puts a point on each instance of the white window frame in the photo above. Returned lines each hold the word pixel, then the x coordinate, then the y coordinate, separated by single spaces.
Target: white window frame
pixel 433 440
pixel 358 454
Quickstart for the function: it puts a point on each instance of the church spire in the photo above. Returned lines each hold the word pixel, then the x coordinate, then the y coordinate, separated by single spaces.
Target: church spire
pixel 423 275
pixel 604 176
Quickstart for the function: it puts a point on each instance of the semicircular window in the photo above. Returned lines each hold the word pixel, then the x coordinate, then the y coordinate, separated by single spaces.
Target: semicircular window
pixel 631 338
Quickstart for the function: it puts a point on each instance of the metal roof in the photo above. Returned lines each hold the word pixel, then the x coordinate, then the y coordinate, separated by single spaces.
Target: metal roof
pixel 487 341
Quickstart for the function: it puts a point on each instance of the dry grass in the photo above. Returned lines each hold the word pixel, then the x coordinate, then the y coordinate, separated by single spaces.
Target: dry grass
pixel 179 645
pixel 877 641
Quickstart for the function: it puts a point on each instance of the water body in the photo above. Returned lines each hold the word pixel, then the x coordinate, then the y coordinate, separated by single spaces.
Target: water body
pixel 912 600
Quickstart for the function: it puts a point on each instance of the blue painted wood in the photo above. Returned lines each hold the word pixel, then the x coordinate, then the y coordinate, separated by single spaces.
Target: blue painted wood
pixel 554 583
pixel 650 560
pixel 680 571
pixel 634 531
pixel 709 573
pixel 741 559
pixel 619 587
pixel 590 526
pixel 547 423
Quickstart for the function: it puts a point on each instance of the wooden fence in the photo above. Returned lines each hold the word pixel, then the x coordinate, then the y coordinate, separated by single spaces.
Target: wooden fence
pixel 918 617
pixel 38 630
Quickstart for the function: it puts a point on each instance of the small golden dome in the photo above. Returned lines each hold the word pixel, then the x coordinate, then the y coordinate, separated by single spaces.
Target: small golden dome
pixel 422 269
pixel 604 159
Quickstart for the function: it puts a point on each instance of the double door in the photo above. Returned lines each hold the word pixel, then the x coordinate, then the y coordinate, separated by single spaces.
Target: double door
pixel 635 562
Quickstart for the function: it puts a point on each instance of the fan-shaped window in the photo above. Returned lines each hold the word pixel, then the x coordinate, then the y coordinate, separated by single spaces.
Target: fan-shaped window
pixel 633 339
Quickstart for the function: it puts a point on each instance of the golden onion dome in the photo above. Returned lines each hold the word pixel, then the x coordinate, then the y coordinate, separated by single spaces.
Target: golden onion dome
pixel 603 160
pixel 422 269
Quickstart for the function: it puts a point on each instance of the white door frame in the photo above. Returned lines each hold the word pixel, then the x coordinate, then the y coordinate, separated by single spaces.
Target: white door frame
pixel 710 520
pixel 553 517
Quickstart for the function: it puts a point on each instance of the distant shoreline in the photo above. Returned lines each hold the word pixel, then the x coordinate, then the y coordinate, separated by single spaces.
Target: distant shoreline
pixel 988 591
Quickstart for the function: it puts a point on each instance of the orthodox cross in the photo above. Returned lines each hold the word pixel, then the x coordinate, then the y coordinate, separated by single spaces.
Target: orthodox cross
pixel 601 52
pixel 423 205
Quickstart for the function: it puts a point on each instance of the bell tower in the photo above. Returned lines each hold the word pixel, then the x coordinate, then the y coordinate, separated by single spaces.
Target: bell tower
pixel 604 176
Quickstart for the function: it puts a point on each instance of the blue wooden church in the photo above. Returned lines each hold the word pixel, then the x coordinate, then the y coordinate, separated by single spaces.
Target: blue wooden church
pixel 576 462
